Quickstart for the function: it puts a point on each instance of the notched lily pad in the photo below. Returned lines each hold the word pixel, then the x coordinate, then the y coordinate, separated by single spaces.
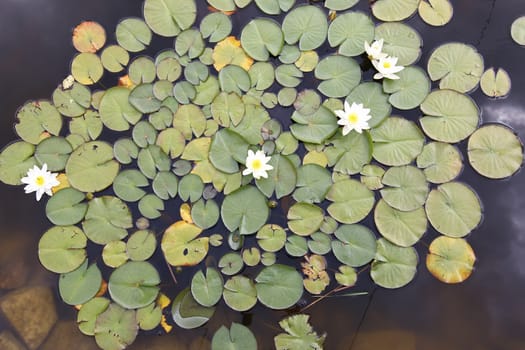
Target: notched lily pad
pixel 450 260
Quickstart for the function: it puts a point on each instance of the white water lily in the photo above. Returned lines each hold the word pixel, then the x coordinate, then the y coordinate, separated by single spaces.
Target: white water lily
pixel 354 117
pixel 40 181
pixel 256 164
pixel 375 51
pixel 387 67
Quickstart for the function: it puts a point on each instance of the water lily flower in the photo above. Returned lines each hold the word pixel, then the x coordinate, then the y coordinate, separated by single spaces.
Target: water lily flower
pixel 387 67
pixel 374 51
pixel 256 164
pixel 40 181
pixel 354 117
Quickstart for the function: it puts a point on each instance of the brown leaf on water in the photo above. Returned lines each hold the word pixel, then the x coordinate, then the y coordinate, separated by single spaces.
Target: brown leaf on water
pixel 89 37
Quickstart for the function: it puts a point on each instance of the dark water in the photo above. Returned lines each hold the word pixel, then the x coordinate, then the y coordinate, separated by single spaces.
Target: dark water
pixel 485 312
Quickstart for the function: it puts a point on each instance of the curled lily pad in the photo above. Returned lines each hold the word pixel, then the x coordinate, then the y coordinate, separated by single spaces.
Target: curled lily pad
pixel 107 219
pixel 394 10
pixel 62 248
pixel 180 244
pixel 349 31
pixel 279 286
pixel 352 201
pixel 355 245
pixel 441 162
pixel 435 12
pixel 449 116
pixel 453 209
pixel 244 209
pixel 189 314
pixel 240 293
pixel 495 84
pixel 80 285
pixel 306 25
pixel 409 90
pixel 116 328
pixel 403 228
pixel 456 65
pixel 495 151
pixel 393 266
pixel 401 41
pixel 169 17
pixel 407 188
pixel 261 38
pixel 299 334
pixel 134 284
pixel 35 118
pixel 450 260
pixel 238 337
pixel 340 75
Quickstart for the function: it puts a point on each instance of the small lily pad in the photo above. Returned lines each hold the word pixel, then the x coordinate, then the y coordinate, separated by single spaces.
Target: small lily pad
pixel 238 337
pixel 281 179
pixel 349 31
pixel 141 245
pixel 115 110
pixel 371 95
pixel 114 254
pixel 87 68
pixel 128 185
pixel 169 17
pixel 114 58
pixel 15 160
pixel 66 207
pixel 495 84
pixel 313 182
pixel 107 219
pixel 151 206
pixel 215 26
pixel 436 12
pixel 394 10
pixel 189 314
pixel 207 289
pixel 304 218
pixel 89 36
pixel 450 260
pixel 339 75
pixel 133 34
pixel 35 118
pixel 88 314
pixel 314 128
pixel 517 30
pixel 231 264
pixel 296 245
pixel 401 41
pixel 271 238
pixel 409 90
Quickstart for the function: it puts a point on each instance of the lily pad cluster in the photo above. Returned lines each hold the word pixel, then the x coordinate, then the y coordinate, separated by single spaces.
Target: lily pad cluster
pixel 174 131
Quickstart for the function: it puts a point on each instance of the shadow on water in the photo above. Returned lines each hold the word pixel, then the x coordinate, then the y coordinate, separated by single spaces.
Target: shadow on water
pixel 485 312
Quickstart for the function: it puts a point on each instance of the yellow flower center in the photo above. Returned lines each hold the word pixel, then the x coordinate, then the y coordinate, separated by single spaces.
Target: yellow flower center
pixel 353 118
pixel 387 65
pixel 256 164
pixel 40 180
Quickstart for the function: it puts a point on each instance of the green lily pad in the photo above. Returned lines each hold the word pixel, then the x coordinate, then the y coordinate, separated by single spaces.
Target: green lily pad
pixel 116 328
pixel 394 10
pixel 115 110
pixel 350 153
pixel 339 75
pixel 165 185
pixel 441 162
pixel 133 34
pixel 72 102
pixel 191 187
pixel 371 95
pixel 114 254
pixel 62 248
pixel 495 151
pixel 128 185
pixel 517 30
pixel 495 84
pixel 189 120
pixel 450 260
pixel 149 317
pixel 215 26
pixel 397 141
pixel 151 159
pixel 401 41
pixel 271 238
pixel 35 118
pixel 407 188
pixel 240 293
pixel 107 219
pixel 453 209
pixel 125 150
pixel 274 7
pixel 189 314
pixel 172 142
pixel 231 264
pixel 320 243
pixel 262 37
pixel 141 245
pixel 87 68
pixel 393 266
pixel 288 75
pixel 88 314
pixel 409 90
pixel 234 79
pixel 142 70
pixel 89 126
pixel 134 284
pixel 66 207
pixel 299 333
pixel 205 214
pixel 314 128
pixel 151 206
pixel 449 116
pixel 53 151
pixel 227 149
pixel 251 256
pixel 143 99
pixel 15 160
pixel 456 65
pixel 355 245
pixel 404 228
pixel 346 276
pixel 296 245
pixel 238 337
pixel 180 244
pixel 144 134
pixel 244 209
pixel 169 17
pixel 435 12
pixel 222 5
pixel 352 201
pixel 279 286
pixel 313 182
pixel 306 25
pixel 207 289
pixel 349 31
pixel 190 43
pixel 114 58
pixel 304 218
pixel 169 69
pixel 80 285
pixel 281 179
pixel 262 75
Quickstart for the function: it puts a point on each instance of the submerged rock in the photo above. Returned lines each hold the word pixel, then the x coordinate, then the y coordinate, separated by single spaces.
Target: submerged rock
pixel 31 311
pixel 14 262
pixel 66 335
pixel 9 342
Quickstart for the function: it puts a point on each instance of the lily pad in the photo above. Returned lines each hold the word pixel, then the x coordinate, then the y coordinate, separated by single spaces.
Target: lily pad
pixel 409 90
pixel 339 5
pixel 314 128
pixel 350 153
pixel 304 218
pixel 495 151
pixel 279 286
pixel 271 238
pixel 495 84
pixel 296 245
pixel 458 66
pixel 349 31
pixel 355 245
pixel 453 209
pixel 436 12
pixel 66 207
pixel 189 314
pixel 281 180
pixel 231 264
pixel 306 25
pixel 125 150
pixel 517 30
pixel 244 209
pixel 449 116
pixel 149 317
pixel 240 293
pixel 89 36
pixel 133 34
pixel 190 43
pixel 15 160
pixel 261 38
pixel 215 26
pixel 115 110
pixel 107 219
pixel 394 10
pixel 143 99
pixel 227 149
pixel 407 188
pixel 62 248
pixel 207 289
pixel 393 266
pixel 134 284
pixel 180 244
pixel 288 75
pixel 142 70
pixel 371 95
pixel 169 17
pixel 313 182
pixel 191 187
pixel 299 334
pixel 114 58
pixel 80 285
pixel 151 206
pixel 352 201
pixel 87 68
pixel 274 7
pixel 234 79
pixel 89 126
pixel 189 120
pixel 401 41
pixel 116 328
pixel 404 228
pixel 114 254
pixel 450 260
pixel 238 337
pixel 441 162
pixel 72 102
pixel 128 185
pixel 141 245
pixel 205 214
pixel 88 314
pixel 339 75
pixel 35 118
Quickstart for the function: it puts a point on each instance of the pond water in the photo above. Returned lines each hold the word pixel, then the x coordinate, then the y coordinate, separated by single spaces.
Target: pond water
pixel 485 312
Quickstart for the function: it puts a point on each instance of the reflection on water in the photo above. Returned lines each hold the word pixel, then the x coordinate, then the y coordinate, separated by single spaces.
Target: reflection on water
pixel 485 312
